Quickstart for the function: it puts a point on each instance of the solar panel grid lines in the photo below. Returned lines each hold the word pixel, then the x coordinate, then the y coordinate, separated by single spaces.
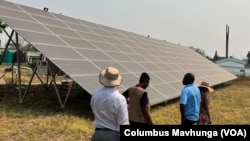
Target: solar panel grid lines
pixel 119 36
pixel 102 32
pixel 110 29
pixel 80 42
pixel 77 67
pixel 6 13
pixel 155 79
pixel 140 51
pixel 52 52
pixel 81 49
pixel 155 52
pixel 68 19
pixel 166 87
pixel 64 32
pixel 133 38
pixel 6 4
pixel 159 43
pixel 9 9
pixel 121 57
pixel 54 22
pixel 151 67
pixel 58 32
pixel 89 83
pixel 61 30
pixel 91 36
pixel 33 11
pixel 176 87
pixel 124 49
pixel 138 58
pixel 94 55
pixel 29 25
pixel 130 79
pixel 104 46
pixel 116 64
pixel 145 39
pixel 155 96
pixel 89 24
pixel 79 28
pixel 112 40
pixel 129 43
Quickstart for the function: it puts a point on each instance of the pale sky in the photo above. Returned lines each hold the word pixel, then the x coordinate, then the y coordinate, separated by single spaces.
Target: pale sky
pixel 197 23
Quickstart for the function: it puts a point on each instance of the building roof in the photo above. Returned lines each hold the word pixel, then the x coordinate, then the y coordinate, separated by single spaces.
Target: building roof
pixel 231 59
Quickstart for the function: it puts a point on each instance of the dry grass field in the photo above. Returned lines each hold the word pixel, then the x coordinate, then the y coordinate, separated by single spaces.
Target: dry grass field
pixel 40 117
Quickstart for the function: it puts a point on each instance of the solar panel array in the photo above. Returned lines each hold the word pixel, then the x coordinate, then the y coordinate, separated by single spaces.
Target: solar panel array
pixel 81 49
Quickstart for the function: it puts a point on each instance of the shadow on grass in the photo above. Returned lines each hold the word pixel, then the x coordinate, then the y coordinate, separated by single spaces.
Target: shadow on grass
pixel 223 85
pixel 41 101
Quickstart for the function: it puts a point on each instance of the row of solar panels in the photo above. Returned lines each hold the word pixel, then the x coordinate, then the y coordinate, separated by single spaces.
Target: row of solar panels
pixel 81 49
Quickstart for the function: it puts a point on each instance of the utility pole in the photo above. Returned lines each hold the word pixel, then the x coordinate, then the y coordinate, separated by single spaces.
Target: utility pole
pixel 227 38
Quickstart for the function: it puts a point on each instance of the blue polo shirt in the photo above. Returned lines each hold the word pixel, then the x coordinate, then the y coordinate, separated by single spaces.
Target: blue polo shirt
pixel 191 98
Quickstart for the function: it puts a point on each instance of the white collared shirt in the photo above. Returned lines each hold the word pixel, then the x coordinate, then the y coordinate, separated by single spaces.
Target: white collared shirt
pixel 109 107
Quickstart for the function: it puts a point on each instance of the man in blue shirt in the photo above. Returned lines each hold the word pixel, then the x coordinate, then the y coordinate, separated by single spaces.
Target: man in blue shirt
pixel 190 100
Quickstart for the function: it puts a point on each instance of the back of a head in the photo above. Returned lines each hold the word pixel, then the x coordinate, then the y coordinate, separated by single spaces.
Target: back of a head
pixel 188 79
pixel 144 77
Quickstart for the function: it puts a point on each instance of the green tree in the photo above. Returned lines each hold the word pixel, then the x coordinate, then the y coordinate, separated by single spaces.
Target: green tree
pixel 2 26
pixel 201 52
pixel 216 57
pixel 198 50
pixel 248 56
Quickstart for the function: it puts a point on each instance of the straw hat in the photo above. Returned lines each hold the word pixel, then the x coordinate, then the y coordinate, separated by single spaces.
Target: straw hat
pixel 206 85
pixel 110 77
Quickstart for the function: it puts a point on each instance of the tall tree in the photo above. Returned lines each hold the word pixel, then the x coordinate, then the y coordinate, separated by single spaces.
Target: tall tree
pixel 248 56
pixel 216 56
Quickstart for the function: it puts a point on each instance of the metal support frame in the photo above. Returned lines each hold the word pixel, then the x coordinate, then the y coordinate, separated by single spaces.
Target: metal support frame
pixel 52 82
pixel 7 44
pixel 31 79
pixel 53 75
pixel 18 69
pixel 18 59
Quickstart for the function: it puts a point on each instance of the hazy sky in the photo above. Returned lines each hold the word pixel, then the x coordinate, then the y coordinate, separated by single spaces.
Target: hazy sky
pixel 197 23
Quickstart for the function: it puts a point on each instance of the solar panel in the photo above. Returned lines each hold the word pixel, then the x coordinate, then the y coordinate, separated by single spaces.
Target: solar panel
pixel 82 48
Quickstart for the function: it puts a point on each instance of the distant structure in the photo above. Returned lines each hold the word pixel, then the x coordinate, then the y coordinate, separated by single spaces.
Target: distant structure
pixel 235 66
pixel 227 38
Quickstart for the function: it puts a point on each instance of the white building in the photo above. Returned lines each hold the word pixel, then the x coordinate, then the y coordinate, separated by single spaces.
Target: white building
pixel 32 56
pixel 235 66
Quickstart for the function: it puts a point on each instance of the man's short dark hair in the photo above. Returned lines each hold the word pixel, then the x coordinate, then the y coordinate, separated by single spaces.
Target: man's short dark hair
pixel 144 77
pixel 188 78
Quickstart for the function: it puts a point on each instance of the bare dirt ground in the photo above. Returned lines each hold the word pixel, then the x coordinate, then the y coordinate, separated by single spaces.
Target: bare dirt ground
pixel 2 81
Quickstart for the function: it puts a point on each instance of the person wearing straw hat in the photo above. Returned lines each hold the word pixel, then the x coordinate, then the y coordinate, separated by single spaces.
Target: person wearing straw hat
pixel 204 118
pixel 190 101
pixel 109 107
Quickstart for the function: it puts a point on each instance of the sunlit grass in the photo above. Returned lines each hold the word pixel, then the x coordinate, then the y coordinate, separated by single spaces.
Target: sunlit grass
pixel 23 122
pixel 229 104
